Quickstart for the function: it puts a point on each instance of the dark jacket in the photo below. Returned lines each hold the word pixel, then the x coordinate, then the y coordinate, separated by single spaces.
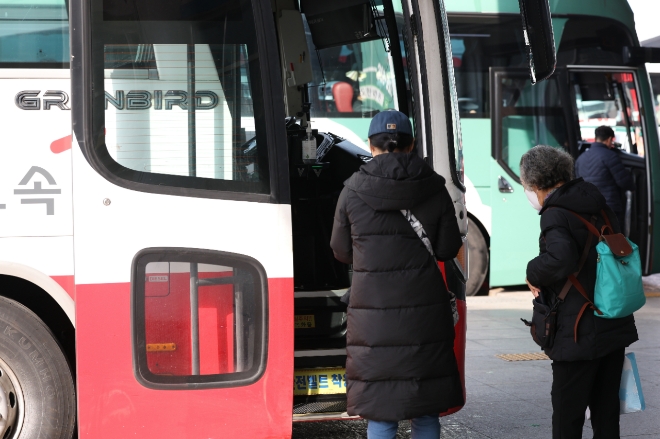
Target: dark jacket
pixel 602 167
pixel 563 237
pixel 400 340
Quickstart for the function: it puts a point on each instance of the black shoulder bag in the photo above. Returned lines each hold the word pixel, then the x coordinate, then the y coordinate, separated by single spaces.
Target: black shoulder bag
pixel 544 318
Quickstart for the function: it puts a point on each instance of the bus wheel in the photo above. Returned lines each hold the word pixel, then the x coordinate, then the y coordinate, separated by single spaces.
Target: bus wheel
pixel 37 394
pixel 478 259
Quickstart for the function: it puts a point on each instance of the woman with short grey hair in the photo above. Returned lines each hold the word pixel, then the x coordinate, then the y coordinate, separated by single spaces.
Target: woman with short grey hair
pixel 587 351
pixel 545 167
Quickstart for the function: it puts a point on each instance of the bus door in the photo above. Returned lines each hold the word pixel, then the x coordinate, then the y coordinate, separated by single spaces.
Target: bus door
pixel 182 223
pixel 611 97
pixel 523 116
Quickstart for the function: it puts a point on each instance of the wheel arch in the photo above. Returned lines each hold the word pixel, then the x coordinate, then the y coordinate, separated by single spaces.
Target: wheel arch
pixel 475 220
pixel 44 297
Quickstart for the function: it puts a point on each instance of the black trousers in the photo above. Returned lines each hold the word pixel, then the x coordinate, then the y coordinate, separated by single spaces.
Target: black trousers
pixel 593 383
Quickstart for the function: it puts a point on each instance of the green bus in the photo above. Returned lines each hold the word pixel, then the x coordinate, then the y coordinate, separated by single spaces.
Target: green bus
pixel 597 82
pixel 503 115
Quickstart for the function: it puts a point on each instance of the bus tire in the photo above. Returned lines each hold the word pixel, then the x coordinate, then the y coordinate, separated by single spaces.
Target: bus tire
pixel 478 259
pixel 37 392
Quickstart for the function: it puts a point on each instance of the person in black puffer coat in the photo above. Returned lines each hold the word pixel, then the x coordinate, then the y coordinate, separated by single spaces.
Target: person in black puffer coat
pixel 587 363
pixel 400 340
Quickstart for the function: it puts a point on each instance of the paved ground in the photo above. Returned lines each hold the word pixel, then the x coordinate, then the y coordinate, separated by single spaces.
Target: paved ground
pixel 511 400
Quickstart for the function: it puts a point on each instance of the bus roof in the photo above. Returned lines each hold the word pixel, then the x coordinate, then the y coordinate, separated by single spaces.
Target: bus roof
pixel 616 9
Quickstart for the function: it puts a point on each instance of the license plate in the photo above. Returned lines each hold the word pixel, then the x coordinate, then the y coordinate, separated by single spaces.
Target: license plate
pixel 304 322
pixel 319 381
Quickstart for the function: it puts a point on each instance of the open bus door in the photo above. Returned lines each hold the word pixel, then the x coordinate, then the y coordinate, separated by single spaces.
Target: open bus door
pixel 183 229
pixel 523 116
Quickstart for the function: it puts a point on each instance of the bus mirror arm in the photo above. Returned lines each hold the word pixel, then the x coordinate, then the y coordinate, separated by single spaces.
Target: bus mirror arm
pixel 636 56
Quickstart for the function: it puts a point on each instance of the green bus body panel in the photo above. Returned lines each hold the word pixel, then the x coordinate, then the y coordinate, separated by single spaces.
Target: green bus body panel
pixel 517 225
pixel 617 10
pixel 476 135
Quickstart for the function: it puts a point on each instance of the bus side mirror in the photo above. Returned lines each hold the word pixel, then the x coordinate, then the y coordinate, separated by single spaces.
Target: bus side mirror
pixel 636 56
pixel 539 38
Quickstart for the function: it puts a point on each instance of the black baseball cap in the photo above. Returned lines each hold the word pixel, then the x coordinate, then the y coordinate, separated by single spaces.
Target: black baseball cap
pixel 390 121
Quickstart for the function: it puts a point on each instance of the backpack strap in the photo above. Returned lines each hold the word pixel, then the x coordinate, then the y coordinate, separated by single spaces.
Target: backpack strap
pixel 590 225
pixel 607 220
pixel 572 278
pixel 583 258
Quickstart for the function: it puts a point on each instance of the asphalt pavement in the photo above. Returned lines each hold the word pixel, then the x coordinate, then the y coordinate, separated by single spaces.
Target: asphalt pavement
pixel 511 399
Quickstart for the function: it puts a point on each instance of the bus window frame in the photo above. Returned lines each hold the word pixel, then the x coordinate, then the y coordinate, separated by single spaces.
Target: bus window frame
pixel 445 39
pixel 634 71
pixel 138 323
pixel 97 156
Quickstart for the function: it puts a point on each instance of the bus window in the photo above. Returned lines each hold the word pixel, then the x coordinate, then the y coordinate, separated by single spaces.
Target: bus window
pixel 609 99
pixel 34 34
pixel 196 321
pixel 478 45
pixel 178 107
pixel 525 116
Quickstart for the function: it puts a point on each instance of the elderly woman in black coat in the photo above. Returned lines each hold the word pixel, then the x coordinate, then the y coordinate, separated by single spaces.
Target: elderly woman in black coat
pixel 400 358
pixel 588 351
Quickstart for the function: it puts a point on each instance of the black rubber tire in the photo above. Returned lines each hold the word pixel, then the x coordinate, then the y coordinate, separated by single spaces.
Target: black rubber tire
pixel 34 356
pixel 478 259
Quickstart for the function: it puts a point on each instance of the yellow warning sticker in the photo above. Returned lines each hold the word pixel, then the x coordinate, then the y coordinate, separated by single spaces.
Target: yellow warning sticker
pixel 319 381
pixel 304 322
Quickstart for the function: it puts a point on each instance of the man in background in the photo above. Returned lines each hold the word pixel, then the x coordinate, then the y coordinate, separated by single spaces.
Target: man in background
pixel 601 165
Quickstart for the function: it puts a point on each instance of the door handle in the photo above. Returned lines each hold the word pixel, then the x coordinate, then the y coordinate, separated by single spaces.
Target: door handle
pixel 504 186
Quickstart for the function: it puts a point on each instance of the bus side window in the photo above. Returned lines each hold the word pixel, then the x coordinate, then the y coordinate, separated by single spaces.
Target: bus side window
pixel 198 322
pixel 34 35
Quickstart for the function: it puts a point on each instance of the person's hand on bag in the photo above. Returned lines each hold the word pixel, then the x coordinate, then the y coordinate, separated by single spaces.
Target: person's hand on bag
pixel 535 291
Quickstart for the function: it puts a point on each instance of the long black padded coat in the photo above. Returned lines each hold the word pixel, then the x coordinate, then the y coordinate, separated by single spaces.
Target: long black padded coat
pixel 563 237
pixel 400 340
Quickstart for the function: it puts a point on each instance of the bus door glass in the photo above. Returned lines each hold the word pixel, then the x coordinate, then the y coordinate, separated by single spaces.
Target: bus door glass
pixel 610 98
pixel 523 116
pixel 353 82
pixel 183 230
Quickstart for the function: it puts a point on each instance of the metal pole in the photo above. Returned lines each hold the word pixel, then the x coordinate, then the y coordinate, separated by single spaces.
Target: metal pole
pixel 628 217
pixel 194 317
pixel 192 101
pixel 239 328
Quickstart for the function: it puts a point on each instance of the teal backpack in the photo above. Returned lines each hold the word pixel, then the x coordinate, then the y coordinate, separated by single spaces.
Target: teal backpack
pixel 619 291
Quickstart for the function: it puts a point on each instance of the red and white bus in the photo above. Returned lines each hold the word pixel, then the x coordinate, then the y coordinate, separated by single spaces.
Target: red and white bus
pixel 165 268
